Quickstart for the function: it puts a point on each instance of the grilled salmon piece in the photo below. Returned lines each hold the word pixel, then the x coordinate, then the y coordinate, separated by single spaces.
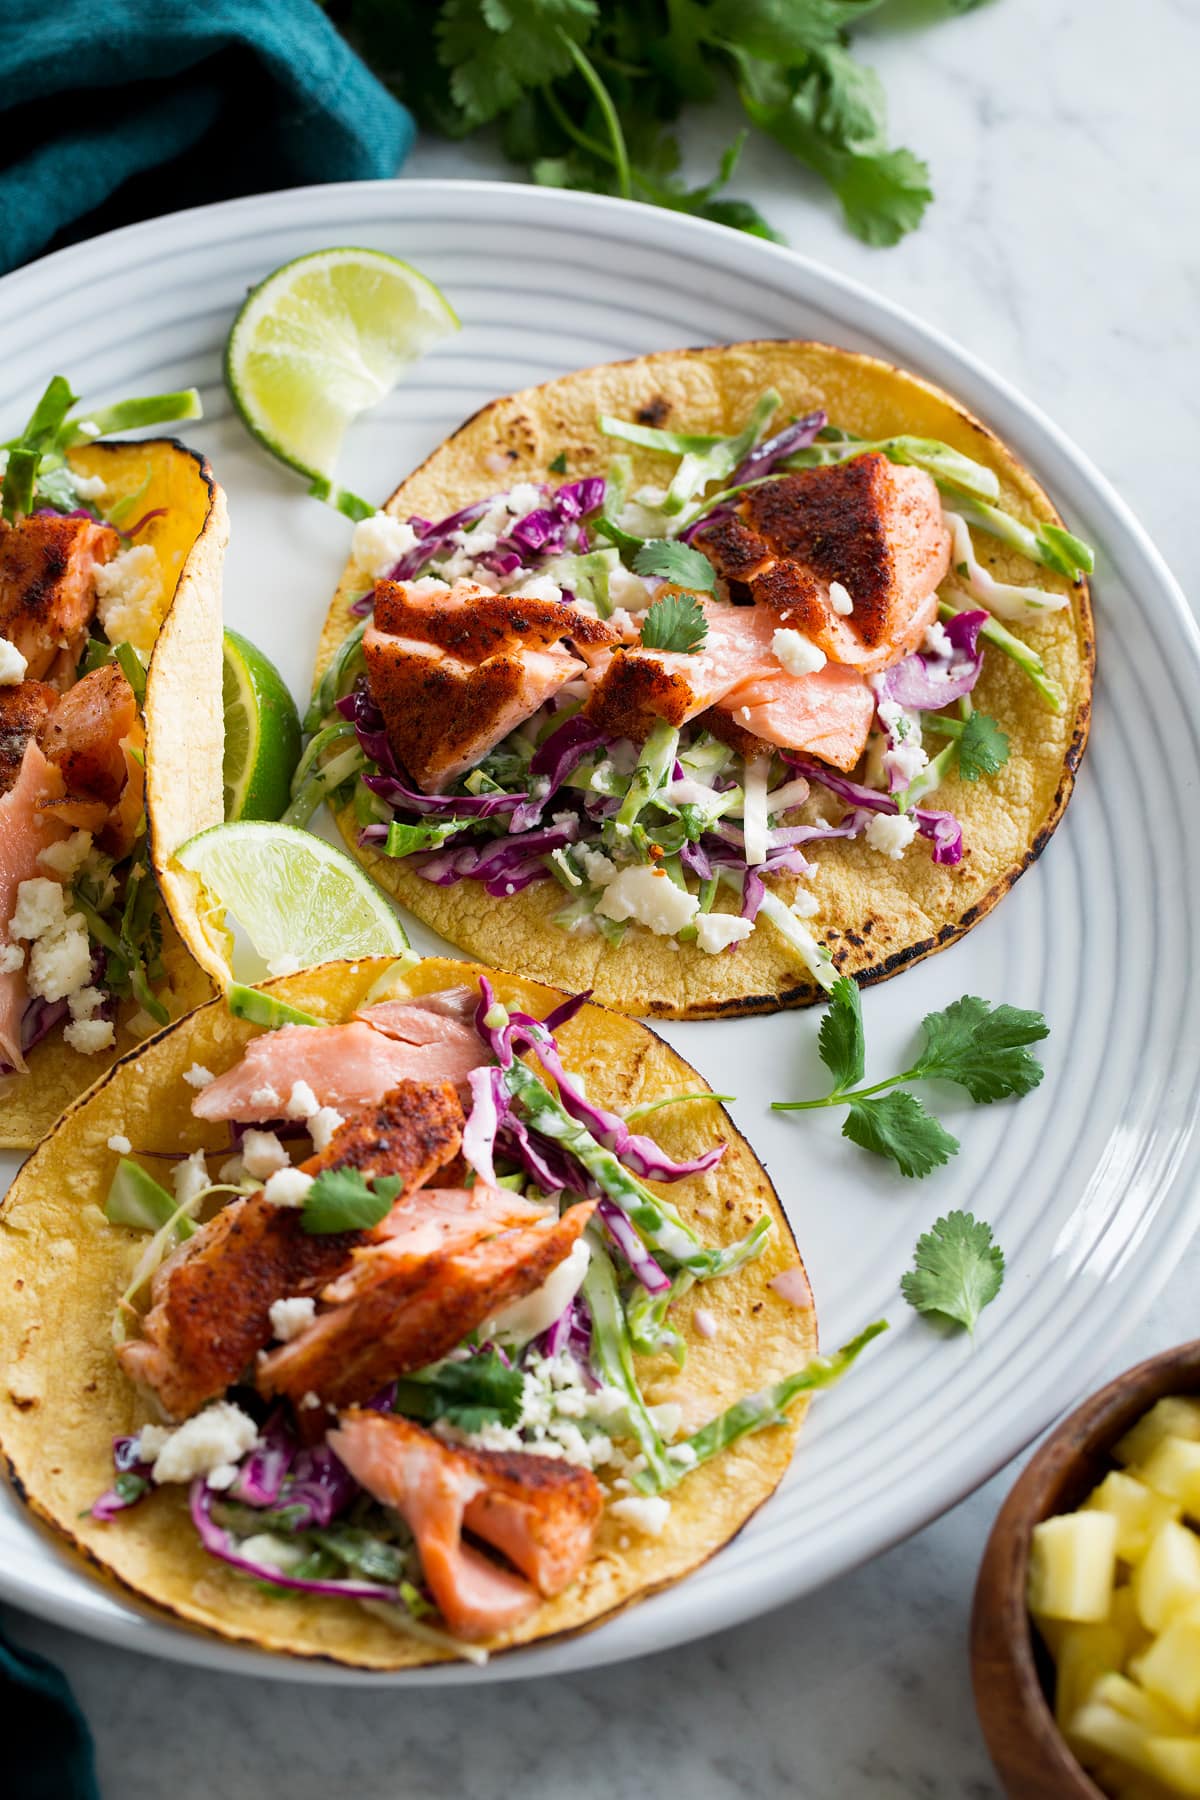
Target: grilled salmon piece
pixel 95 736
pixel 47 587
pixel 23 709
pixel 473 623
pixel 540 1512
pixel 828 714
pixel 431 1486
pixel 873 526
pixel 344 1065
pixel 442 713
pixel 25 831
pixel 398 1308
pixel 212 1297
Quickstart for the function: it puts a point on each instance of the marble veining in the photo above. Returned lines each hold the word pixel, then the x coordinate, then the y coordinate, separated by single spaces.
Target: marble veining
pixel 1062 249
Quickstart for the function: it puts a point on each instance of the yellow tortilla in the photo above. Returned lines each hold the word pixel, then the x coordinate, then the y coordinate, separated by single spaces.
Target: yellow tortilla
pixel 184 738
pixel 62 1266
pixel 876 915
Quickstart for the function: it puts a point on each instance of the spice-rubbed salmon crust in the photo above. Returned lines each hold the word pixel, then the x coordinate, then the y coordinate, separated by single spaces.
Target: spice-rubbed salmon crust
pixel 47 588
pixel 212 1297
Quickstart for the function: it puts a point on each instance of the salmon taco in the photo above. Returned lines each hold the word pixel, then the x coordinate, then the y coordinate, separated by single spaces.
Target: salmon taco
pixel 700 679
pixel 110 736
pixel 379 1327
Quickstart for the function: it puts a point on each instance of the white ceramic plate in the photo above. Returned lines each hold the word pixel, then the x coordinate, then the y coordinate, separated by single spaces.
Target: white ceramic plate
pixel 1091 1183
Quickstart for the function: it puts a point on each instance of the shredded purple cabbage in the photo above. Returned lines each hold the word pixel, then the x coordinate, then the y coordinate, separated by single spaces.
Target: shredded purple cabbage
pixel 765 456
pixel 941 828
pixel 126 1461
pixel 263 1470
pixel 224 1545
pixel 559 756
pixel 625 1237
pixel 927 683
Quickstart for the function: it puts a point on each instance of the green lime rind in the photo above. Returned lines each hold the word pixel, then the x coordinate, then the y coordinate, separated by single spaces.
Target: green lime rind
pixel 262 733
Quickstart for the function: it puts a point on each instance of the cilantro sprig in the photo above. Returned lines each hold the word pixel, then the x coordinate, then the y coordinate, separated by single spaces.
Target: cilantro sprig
pixel 676 622
pixel 343 1200
pixel 979 1047
pixel 979 746
pixel 676 562
pixel 482 1390
pixel 957 1270
pixel 587 95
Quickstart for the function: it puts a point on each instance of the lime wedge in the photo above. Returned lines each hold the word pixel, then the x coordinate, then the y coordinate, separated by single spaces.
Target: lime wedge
pixel 262 733
pixel 321 340
pixel 297 900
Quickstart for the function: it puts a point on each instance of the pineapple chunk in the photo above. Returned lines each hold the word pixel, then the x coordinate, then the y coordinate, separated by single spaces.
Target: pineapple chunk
pixel 1170 1669
pixel 1176 1762
pixel 1124 1615
pixel 1125 1696
pixel 1168 1576
pixel 1176 1416
pixel 1137 1508
pixel 1085 1654
pixel 1102 1731
pixel 1072 1564
pixel 1173 1468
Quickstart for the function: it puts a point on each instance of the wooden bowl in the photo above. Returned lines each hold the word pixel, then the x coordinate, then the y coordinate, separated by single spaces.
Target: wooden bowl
pixel 1010 1669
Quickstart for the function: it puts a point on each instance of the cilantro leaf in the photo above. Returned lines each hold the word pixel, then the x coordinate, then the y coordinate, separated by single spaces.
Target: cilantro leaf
pixel 676 622
pixel 482 1390
pixel 957 1270
pixel 342 1200
pixel 896 1125
pixel 840 1039
pixel 496 50
pixel 982 1048
pixel 676 562
pixel 982 748
pixel 559 465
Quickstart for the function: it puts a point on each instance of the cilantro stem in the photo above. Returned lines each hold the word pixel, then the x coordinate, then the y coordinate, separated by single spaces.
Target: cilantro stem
pixel 842 1097
pixel 603 99
pixel 566 123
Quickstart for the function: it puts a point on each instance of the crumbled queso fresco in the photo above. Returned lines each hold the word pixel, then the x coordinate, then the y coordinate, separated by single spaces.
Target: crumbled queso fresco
pixel 209 1444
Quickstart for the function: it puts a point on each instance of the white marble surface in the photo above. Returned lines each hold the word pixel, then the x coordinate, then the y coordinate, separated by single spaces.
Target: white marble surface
pixel 1064 137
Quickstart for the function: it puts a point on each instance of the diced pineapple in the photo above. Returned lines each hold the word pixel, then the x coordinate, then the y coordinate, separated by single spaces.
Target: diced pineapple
pixel 1168 1576
pixel 1085 1654
pixel 1148 1709
pixel 1072 1564
pixel 1176 1416
pixel 1176 1762
pixel 1123 1613
pixel 1170 1669
pixel 1137 1508
pixel 1101 1730
pixel 1173 1468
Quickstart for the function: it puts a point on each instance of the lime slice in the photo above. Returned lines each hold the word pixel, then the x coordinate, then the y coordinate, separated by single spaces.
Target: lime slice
pixel 320 341
pixel 297 900
pixel 262 733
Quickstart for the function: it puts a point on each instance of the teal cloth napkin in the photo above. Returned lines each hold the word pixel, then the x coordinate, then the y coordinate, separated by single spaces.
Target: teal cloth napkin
pixel 47 1750
pixel 115 110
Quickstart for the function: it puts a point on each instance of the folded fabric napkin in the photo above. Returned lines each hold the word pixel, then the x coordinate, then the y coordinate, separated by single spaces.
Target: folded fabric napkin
pixel 47 1752
pixel 115 110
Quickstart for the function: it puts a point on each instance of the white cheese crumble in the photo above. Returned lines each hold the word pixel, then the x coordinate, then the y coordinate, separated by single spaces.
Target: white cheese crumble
pixel 797 653
pixel 891 833
pixel 265 1096
pixel 198 1076
pixel 528 1318
pixel 89 1036
pixel 379 542
pixel 556 1404
pixel 130 601
pixel 89 487
pixel 65 859
pixel 804 904
pixel 716 931
pixel 650 897
pixel 190 1178
pixel 302 1102
pixel 646 1513
pixel 40 907
pixel 290 1317
pixel 119 1144
pixel 705 1322
pixel 322 1125
pixel 60 960
pixel 541 587
pixel 937 642
pixel 210 1443
pixel 263 1154
pixel 839 599
pixel 524 497
pixel 12 664
pixel 12 958
pixel 598 868
pixel 627 591
pixel 286 1187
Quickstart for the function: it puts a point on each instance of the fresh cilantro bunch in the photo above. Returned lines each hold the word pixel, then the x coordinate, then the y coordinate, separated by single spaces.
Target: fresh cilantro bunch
pixel 980 1047
pixel 585 94
pixel 482 1390
pixel 957 1270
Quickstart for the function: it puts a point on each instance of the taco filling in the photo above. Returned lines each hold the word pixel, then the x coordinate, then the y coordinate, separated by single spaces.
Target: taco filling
pixel 394 1342
pixel 650 698
pixel 82 597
